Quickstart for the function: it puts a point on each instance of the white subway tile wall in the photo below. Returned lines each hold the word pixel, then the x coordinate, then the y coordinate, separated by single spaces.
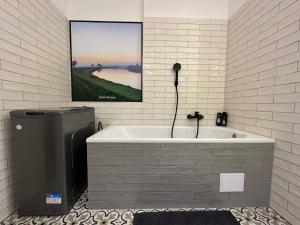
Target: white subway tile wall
pixel 262 93
pixel 200 46
pixel 262 87
pixel 34 71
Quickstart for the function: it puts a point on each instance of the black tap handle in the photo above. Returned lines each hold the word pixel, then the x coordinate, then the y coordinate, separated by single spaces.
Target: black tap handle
pixel 100 126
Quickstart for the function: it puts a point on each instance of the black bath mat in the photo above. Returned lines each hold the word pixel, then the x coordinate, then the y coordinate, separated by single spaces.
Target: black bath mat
pixel 185 218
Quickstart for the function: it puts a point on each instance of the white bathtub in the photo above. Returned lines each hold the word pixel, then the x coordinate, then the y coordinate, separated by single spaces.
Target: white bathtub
pixel 155 171
pixel 161 134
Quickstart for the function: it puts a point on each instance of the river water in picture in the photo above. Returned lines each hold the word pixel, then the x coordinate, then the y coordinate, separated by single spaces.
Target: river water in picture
pixel 120 76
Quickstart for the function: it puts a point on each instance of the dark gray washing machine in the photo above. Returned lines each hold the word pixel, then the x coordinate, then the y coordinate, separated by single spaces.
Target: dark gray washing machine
pixel 49 158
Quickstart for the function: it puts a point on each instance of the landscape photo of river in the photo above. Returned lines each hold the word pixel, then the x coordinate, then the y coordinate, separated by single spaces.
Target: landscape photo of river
pixel 102 68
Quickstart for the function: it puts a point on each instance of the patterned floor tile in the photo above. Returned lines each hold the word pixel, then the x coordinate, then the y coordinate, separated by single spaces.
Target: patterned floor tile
pixel 80 215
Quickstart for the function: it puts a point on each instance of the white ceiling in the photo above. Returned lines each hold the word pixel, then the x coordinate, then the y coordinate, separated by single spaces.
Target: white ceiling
pixel 188 8
pixel 134 10
pixel 62 5
pixel 233 6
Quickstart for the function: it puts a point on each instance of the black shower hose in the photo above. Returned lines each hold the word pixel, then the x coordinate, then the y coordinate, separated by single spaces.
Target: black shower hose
pixel 197 128
pixel 175 111
pixel 172 131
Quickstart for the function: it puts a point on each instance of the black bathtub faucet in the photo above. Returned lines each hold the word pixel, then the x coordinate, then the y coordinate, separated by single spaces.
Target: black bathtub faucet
pixel 197 115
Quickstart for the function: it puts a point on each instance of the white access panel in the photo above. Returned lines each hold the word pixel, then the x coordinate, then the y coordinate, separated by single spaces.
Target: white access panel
pixel 232 182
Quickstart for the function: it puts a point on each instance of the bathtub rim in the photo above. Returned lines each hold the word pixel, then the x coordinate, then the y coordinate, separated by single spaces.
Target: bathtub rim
pixel 251 137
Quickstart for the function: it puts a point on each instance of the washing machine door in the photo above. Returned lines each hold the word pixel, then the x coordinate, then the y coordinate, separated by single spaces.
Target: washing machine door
pixel 79 160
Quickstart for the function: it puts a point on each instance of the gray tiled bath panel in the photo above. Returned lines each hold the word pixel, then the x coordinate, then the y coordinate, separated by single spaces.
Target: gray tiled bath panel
pixel 129 175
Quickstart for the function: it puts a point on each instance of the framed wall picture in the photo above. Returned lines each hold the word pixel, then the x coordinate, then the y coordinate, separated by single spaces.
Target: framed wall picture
pixel 106 61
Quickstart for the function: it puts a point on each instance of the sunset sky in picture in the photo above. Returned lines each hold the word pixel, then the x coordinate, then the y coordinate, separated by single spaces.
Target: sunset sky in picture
pixel 106 43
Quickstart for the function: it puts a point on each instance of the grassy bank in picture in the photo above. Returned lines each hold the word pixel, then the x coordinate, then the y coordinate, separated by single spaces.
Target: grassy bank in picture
pixel 87 87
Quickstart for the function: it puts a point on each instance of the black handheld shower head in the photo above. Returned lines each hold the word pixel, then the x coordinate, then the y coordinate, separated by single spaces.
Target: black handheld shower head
pixel 176 68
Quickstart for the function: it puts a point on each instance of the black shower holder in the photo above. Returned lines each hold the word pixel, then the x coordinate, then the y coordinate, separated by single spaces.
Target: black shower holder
pixel 222 119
